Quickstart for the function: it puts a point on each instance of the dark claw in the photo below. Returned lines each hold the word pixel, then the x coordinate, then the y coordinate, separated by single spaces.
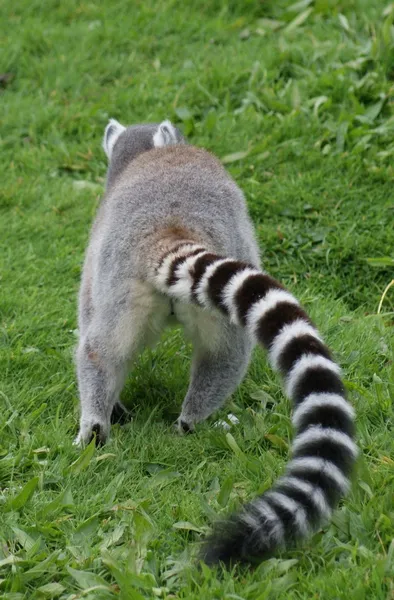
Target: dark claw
pixel 120 414
pixel 185 427
pixel 100 437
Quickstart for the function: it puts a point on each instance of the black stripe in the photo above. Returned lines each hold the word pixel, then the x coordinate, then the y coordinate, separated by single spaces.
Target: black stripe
pixel 316 380
pixel 253 289
pixel 330 489
pixel 328 416
pixel 199 269
pixel 172 250
pixel 272 322
pixel 302 498
pixel 302 344
pixel 172 278
pixel 286 518
pixel 220 279
pixel 328 449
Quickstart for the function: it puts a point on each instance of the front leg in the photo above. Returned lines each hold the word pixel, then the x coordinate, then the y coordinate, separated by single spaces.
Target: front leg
pixel 215 374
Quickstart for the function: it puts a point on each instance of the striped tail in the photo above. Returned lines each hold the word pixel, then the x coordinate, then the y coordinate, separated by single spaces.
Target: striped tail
pixel 323 451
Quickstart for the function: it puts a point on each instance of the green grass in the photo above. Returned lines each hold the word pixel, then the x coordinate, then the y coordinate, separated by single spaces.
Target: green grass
pixel 298 100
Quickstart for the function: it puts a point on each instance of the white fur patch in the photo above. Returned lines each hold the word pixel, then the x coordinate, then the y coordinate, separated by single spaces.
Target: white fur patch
pixel 321 400
pixel 320 465
pixel 165 135
pixel 308 361
pixel 202 288
pixel 224 425
pixel 232 288
pixel 204 329
pixel 180 290
pixel 111 134
pixel 286 335
pixel 261 307
pixel 320 434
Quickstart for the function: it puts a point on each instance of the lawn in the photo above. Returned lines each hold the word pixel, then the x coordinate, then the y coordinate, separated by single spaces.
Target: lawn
pixel 297 100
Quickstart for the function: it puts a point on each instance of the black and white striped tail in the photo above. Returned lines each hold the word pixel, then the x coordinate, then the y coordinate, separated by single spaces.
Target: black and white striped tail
pixel 323 452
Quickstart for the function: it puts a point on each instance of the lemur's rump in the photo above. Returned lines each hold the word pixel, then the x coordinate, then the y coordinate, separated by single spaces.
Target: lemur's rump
pixel 173 236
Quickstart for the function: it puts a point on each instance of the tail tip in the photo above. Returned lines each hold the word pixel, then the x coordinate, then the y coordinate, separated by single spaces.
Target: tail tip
pixel 224 544
pixel 232 541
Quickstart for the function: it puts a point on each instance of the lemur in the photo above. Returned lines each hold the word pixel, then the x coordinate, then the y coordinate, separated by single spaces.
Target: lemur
pixel 173 235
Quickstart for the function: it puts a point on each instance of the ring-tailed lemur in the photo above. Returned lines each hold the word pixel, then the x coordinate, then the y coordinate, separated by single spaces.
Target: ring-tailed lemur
pixel 172 235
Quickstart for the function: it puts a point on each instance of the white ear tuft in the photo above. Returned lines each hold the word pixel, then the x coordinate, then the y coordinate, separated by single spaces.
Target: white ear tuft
pixel 111 134
pixel 165 135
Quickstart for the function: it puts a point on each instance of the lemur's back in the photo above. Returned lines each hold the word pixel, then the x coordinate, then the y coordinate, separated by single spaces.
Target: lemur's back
pixel 173 237
pixel 178 191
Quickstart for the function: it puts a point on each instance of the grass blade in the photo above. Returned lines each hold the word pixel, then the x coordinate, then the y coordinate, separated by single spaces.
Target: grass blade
pixel 24 496
pixel 83 460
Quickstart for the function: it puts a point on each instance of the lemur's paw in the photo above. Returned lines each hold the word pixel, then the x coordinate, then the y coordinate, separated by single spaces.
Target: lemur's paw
pixel 184 427
pixel 89 429
pixel 120 414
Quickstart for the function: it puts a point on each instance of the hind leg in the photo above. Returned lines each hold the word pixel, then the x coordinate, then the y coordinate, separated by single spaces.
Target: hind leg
pixel 117 331
pixel 220 359
pixel 100 376
pixel 119 414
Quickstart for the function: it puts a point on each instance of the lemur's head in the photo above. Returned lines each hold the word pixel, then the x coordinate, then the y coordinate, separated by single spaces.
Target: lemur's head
pixel 131 141
pixel 123 144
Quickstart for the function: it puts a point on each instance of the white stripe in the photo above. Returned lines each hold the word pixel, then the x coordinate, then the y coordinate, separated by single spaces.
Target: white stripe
pixel 164 269
pixel 321 434
pixel 262 306
pixel 251 520
pixel 162 273
pixel 183 273
pixel 314 492
pixel 230 290
pixel 294 507
pixel 202 288
pixel 308 361
pixel 180 290
pixel 320 465
pixel 321 400
pixel 286 335
pixel 267 512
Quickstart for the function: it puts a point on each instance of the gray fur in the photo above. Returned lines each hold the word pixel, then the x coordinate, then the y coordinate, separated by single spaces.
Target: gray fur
pixel 153 195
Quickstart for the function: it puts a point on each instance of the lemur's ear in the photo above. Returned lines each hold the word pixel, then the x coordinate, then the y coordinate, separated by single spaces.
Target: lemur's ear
pixel 166 135
pixel 111 134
